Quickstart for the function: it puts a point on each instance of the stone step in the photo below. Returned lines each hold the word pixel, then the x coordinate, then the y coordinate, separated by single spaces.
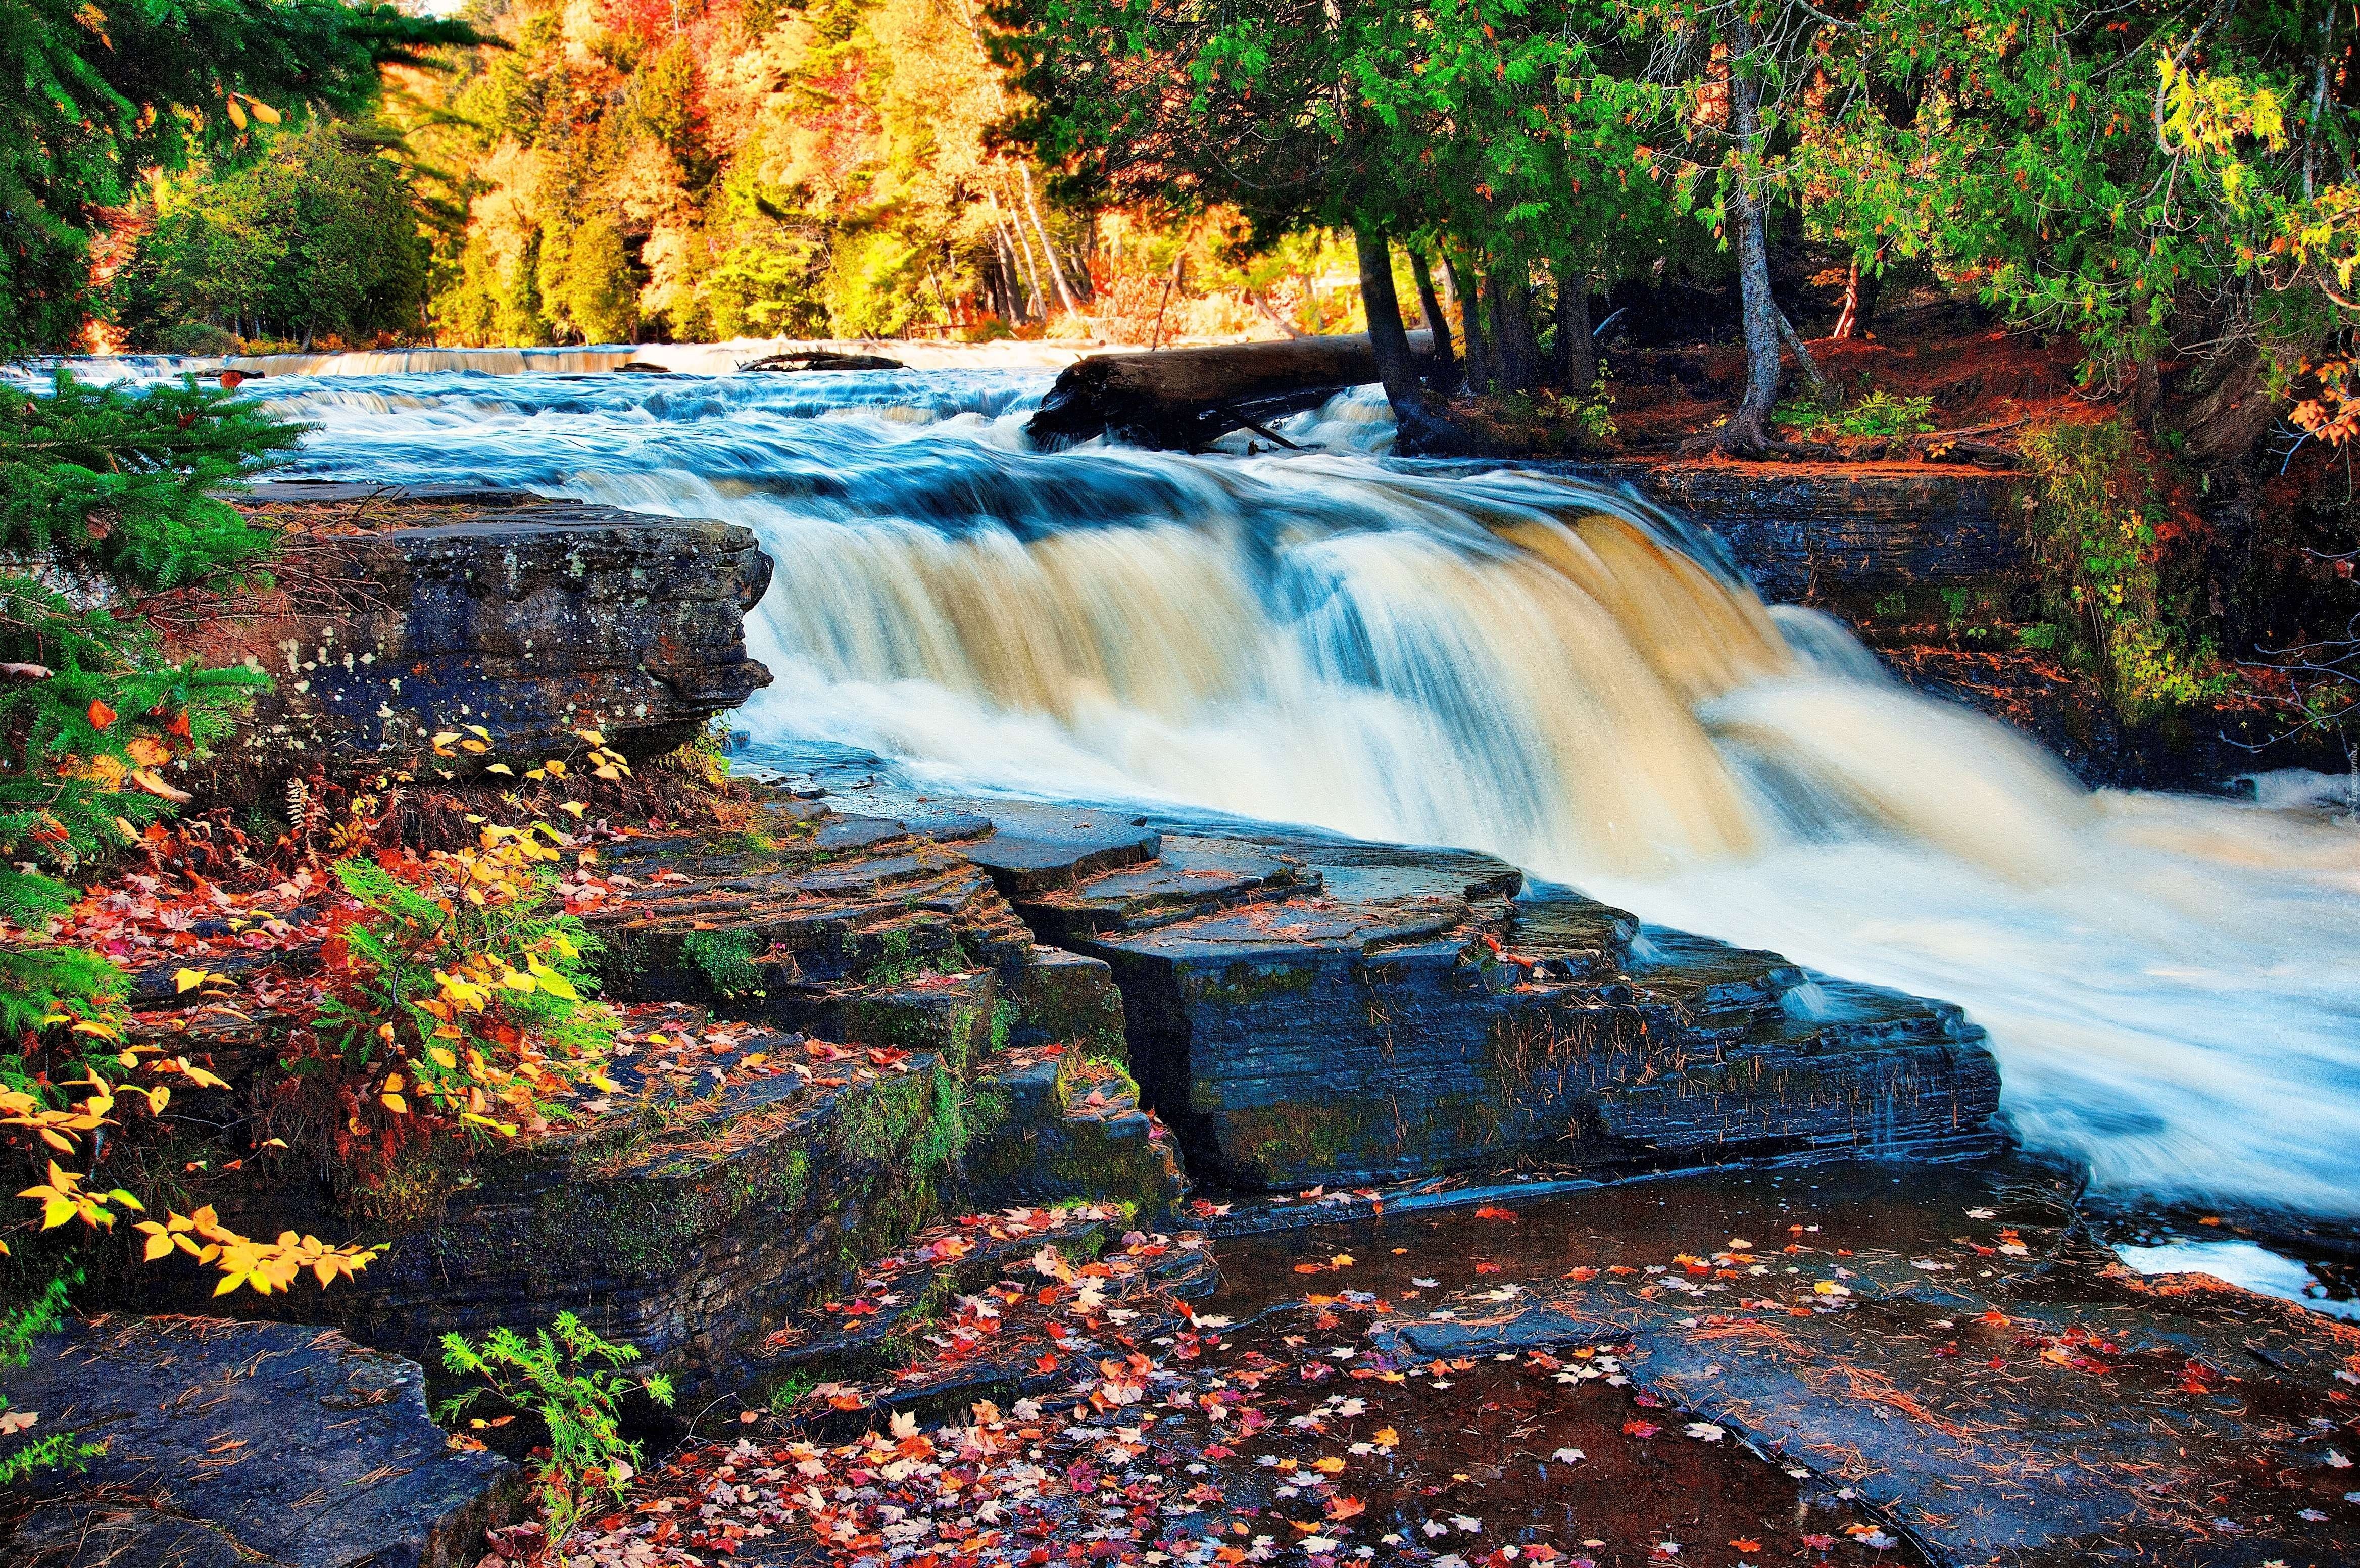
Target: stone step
pixel 1189 876
pixel 1064 1127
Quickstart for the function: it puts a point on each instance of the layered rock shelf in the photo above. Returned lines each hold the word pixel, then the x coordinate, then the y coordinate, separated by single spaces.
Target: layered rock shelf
pixel 839 1026
pixel 400 614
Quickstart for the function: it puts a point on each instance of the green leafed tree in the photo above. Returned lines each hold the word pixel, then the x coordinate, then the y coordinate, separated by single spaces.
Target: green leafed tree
pixel 317 239
pixel 107 489
pixel 93 95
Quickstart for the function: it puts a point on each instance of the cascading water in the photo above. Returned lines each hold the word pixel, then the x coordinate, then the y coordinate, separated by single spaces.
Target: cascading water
pixel 1519 664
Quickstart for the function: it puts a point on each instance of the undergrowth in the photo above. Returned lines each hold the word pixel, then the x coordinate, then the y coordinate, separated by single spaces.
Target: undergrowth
pixel 568 1381
pixel 2095 512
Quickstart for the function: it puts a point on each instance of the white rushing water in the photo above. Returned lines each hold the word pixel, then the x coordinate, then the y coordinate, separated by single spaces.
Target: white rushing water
pixel 1513 662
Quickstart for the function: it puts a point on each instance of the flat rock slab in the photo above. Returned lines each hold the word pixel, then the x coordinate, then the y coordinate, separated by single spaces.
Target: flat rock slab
pixel 1033 848
pixel 248 1444
pixel 1188 877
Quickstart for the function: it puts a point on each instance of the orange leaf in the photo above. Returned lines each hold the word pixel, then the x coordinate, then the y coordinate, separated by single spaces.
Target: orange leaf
pixel 101 716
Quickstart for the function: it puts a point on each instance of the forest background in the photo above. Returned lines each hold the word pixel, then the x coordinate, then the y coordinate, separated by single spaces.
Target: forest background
pixel 628 171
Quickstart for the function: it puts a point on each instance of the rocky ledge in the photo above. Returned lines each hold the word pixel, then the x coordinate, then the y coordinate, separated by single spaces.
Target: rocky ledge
pixel 841 1027
pixel 530 619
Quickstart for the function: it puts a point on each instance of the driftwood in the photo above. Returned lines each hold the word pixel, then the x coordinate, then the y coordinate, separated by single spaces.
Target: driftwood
pixel 1185 399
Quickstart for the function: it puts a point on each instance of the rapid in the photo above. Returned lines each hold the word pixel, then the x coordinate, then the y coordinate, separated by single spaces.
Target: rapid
pixel 1526 664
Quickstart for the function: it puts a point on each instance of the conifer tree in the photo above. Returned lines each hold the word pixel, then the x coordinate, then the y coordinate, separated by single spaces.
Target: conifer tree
pixel 108 486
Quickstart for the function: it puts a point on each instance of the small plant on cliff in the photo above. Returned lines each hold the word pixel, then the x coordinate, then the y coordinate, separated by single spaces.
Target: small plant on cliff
pixel 2097 521
pixel 1878 413
pixel 570 1381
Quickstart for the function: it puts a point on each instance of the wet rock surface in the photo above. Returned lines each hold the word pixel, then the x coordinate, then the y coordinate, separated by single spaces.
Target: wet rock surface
pixel 1407 1018
pixel 1801 531
pixel 1952 1347
pixel 530 619
pixel 246 1443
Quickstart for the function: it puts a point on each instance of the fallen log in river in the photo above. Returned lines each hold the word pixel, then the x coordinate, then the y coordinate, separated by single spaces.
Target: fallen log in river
pixel 1185 399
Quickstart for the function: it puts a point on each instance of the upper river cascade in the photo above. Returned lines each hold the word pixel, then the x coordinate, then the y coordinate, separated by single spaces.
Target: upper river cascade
pixel 1551 671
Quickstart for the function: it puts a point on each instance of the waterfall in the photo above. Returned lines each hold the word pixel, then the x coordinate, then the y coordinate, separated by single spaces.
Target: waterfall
pixel 1550 670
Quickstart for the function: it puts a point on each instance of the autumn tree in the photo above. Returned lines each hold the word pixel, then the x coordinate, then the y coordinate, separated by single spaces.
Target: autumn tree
pixel 319 238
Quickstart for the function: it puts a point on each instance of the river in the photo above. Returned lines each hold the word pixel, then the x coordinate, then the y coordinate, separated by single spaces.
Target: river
pixel 1509 661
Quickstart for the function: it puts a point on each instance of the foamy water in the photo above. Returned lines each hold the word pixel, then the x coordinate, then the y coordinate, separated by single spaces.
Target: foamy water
pixel 1519 664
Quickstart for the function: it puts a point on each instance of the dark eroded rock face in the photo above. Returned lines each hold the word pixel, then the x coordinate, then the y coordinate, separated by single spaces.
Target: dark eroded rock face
pixel 1805 533
pixel 532 620
pixel 248 1443
pixel 1392 1015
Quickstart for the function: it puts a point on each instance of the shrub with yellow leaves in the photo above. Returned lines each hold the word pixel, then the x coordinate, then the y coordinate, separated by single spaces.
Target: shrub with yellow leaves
pixel 456 990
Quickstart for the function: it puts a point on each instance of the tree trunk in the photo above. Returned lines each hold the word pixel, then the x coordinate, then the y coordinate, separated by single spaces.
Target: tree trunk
pixel 1479 373
pixel 1748 429
pixel 1820 387
pixel 1848 318
pixel 1056 273
pixel 1429 308
pixel 1512 335
pixel 1577 353
pixel 1421 426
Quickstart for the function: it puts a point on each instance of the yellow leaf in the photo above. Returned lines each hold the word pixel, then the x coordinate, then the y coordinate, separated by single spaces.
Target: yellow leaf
pixel 591 736
pixel 476 729
pixel 608 773
pixel 188 979
pixel 263 112
pixel 230 1282
pixel 56 1212
pixel 445 1056
pixel 500 768
pixel 89 1026
pixel 159 1245
pixel 393 1080
pixel 574 806
pixel 395 1104
pixel 237 111
pixel 556 768
pixel 475 747
pixel 554 983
